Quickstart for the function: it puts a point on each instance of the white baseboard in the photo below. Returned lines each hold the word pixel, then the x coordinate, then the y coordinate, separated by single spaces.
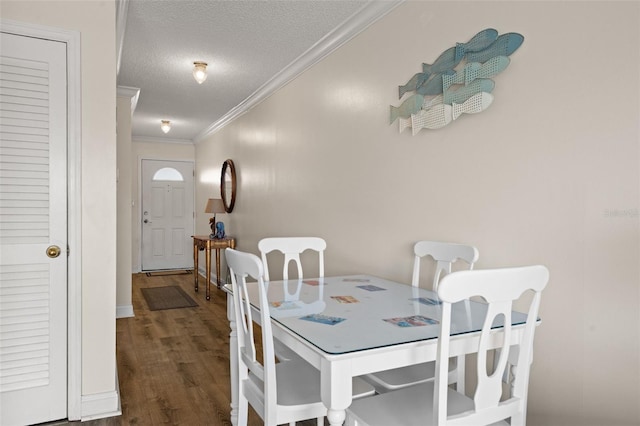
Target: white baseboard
pixel 101 405
pixel 124 311
pixel 212 280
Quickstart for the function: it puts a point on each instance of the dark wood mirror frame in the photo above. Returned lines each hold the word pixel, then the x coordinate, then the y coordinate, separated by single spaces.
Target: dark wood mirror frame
pixel 228 194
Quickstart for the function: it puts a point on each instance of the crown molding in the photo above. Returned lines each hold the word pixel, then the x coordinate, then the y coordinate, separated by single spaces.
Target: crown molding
pixel 358 22
pixel 122 7
pixel 129 92
pixel 161 140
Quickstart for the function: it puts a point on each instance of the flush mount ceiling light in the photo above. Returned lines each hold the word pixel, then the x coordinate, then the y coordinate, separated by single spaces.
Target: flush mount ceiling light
pixel 200 71
pixel 165 125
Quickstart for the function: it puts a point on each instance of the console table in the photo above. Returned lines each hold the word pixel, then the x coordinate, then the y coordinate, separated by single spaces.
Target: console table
pixel 206 243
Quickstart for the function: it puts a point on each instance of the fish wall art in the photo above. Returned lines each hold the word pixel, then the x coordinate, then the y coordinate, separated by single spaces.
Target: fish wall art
pixel 458 81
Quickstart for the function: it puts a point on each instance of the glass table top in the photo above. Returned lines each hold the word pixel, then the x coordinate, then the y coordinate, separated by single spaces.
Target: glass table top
pixel 359 312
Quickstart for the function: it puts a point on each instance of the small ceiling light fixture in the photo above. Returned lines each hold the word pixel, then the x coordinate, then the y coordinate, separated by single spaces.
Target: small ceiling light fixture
pixel 165 125
pixel 200 71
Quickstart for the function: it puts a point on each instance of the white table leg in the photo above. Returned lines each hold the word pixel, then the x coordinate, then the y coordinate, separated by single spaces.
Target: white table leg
pixel 336 387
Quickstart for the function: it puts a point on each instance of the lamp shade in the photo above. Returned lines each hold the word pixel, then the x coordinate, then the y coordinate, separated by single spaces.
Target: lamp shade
pixel 214 205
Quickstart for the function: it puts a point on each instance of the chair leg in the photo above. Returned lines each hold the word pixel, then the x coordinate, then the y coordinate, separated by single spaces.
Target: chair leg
pixel 243 410
pixel 460 368
pixel 320 421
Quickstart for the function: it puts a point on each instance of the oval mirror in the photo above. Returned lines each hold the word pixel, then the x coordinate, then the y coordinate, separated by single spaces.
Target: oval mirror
pixel 228 185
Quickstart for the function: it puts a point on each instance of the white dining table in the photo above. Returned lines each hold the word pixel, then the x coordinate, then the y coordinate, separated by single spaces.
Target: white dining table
pixel 348 326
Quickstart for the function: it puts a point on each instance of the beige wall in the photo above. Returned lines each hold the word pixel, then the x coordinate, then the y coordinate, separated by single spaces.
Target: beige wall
pixel 149 150
pixel 95 20
pixel 124 307
pixel 548 174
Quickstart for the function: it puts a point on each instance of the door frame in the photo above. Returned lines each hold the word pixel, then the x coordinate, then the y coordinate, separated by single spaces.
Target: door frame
pixel 74 200
pixel 138 215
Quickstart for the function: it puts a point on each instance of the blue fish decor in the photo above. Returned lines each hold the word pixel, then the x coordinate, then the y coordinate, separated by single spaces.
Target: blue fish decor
pixel 458 81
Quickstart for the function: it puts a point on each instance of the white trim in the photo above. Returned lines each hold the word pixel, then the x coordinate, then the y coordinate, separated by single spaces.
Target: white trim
pixel 124 311
pixel 163 140
pixel 101 405
pixel 74 197
pixel 358 22
pixel 130 92
pixel 122 7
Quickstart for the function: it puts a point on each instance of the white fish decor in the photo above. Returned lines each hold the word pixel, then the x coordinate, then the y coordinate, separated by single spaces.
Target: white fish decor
pixel 458 82
pixel 442 114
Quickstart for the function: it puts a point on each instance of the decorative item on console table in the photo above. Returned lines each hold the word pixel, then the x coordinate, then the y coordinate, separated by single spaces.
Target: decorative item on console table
pixel 219 230
pixel 214 205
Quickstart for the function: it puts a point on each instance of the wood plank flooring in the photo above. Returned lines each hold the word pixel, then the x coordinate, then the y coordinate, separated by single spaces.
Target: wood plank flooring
pixel 173 365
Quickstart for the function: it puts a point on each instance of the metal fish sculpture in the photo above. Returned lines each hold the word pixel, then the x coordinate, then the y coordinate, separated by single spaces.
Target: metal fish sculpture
pixel 478 42
pixel 434 85
pixel 441 115
pixel 464 93
pixel 505 45
pixel 422 79
pixel 428 103
pixel 404 123
pixel 408 107
pixel 446 61
pixel 433 118
pixel 475 70
pixel 416 81
pixel 475 104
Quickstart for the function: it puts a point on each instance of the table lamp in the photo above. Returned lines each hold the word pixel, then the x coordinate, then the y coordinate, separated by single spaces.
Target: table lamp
pixel 214 205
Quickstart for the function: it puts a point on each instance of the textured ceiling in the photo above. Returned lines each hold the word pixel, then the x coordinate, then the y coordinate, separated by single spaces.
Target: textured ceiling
pixel 245 43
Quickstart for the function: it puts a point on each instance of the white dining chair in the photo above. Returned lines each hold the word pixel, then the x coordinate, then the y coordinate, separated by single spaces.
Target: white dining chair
pixel 292 248
pixel 444 254
pixel 435 403
pixel 283 392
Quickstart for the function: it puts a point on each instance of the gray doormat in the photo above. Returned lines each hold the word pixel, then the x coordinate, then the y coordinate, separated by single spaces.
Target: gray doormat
pixel 170 297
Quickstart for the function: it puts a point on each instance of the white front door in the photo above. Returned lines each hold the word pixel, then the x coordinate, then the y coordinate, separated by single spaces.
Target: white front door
pixel 167 214
pixel 33 230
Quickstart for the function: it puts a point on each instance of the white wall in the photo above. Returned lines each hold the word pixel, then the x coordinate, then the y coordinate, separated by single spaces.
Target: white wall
pixel 548 174
pixel 154 151
pixel 124 306
pixel 95 20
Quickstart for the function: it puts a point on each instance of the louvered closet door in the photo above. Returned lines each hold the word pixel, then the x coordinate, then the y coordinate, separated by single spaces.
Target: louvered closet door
pixel 33 220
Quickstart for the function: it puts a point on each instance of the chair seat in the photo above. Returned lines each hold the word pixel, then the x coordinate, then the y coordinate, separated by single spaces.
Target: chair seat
pixel 398 378
pixel 411 407
pixel 360 387
pixel 283 353
pixel 298 383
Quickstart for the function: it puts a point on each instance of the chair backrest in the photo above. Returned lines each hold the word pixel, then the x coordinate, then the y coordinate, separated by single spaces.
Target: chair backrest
pixel 262 398
pixel 445 254
pixel 292 247
pixel 499 288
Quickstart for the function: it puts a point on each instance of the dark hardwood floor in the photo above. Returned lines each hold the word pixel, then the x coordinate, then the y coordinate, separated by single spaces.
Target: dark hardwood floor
pixel 173 365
